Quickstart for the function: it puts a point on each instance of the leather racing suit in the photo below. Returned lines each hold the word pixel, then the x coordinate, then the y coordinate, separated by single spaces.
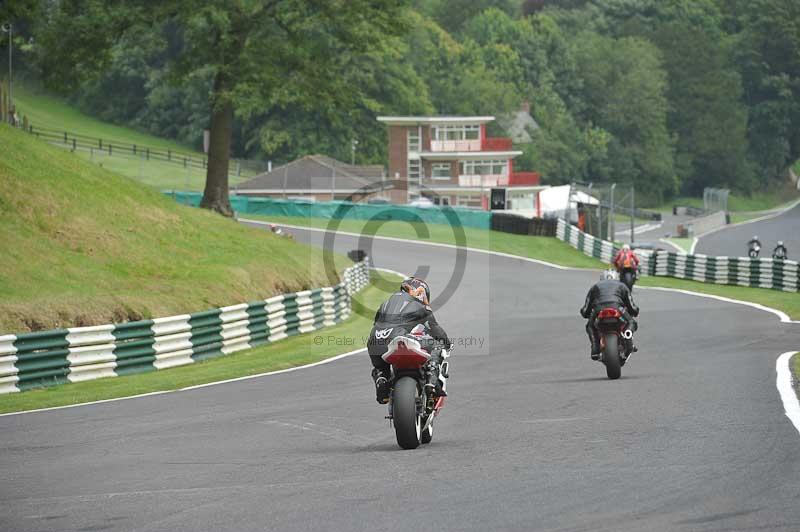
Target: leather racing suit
pixel 609 293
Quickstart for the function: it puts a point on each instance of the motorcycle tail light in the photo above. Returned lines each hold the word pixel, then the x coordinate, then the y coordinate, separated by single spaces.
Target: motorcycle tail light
pixel 609 313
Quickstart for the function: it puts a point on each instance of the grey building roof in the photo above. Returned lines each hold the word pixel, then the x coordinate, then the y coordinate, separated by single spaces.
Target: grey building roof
pixel 315 172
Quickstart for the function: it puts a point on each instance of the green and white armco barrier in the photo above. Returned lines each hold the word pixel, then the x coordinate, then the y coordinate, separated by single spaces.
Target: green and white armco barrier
pixel 742 271
pixel 594 247
pixel 48 358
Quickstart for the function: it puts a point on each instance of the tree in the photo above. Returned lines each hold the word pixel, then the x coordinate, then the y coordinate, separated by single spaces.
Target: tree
pixel 453 14
pixel 261 54
pixel 768 55
pixel 625 94
pixel 706 114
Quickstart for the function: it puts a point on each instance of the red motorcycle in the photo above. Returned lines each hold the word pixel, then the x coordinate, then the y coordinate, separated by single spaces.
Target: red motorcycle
pixel 413 404
pixel 613 330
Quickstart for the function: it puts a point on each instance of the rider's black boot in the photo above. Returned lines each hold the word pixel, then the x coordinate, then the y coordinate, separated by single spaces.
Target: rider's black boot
pixel 595 352
pixel 381 386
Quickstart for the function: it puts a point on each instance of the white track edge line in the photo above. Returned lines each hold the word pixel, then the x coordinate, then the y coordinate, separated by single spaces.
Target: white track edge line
pixel 779 313
pixel 424 243
pixel 694 244
pixel 783 381
pixel 186 388
pixel 782 315
pixel 679 249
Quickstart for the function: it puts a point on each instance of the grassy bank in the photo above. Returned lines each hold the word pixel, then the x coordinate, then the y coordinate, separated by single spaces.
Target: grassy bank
pixel 553 250
pixel 85 246
pixel 294 351
pixel 683 243
pixel 746 205
pixel 49 112
pixel 536 247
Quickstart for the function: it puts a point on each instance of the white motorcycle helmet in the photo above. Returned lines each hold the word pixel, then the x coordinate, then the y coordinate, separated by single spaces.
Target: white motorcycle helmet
pixel 609 275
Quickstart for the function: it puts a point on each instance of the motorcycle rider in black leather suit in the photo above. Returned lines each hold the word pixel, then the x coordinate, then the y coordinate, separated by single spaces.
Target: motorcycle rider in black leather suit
pixel 751 245
pixel 609 292
pixel 405 309
pixel 780 251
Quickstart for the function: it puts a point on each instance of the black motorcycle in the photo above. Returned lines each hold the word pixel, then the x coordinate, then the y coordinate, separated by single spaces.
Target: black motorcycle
pixel 413 404
pixel 628 276
pixel 614 339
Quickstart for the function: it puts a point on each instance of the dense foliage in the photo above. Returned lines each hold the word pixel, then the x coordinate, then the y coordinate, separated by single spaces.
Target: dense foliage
pixel 671 95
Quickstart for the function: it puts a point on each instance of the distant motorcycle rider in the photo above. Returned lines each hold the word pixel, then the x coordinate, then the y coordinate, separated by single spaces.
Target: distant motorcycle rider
pixel 626 261
pixel 609 292
pixel 780 251
pixel 754 246
pixel 405 309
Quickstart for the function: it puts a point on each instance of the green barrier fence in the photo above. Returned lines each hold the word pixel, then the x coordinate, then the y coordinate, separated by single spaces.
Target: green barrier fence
pixel 332 210
pixel 75 354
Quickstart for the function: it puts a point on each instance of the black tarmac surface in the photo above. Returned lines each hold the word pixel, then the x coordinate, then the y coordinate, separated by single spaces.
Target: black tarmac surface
pixel 732 241
pixel 534 437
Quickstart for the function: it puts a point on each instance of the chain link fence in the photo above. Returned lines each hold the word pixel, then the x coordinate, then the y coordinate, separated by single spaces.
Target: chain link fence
pixel 603 210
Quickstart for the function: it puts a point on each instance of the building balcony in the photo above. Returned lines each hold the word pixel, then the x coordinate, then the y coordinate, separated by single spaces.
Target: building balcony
pixel 455 145
pixel 488 180
pixel 496 144
pixel 472 145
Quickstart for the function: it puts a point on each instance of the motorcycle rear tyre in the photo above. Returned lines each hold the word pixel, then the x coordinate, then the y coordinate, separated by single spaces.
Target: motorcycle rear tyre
pixel 407 422
pixel 611 357
pixel 628 279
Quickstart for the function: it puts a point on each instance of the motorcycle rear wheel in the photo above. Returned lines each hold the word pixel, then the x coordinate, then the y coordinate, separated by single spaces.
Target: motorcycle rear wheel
pixel 628 280
pixel 611 356
pixel 407 421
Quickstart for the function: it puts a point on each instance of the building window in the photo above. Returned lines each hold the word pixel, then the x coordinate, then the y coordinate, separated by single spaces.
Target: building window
pixel 488 167
pixel 468 132
pixel 413 139
pixel 468 201
pixel 440 171
pixel 441 201
pixel 414 169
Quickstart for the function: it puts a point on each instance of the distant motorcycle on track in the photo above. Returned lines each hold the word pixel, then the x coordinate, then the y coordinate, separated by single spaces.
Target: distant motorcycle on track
pixel 629 276
pixel 413 404
pixel 753 247
pixel 614 338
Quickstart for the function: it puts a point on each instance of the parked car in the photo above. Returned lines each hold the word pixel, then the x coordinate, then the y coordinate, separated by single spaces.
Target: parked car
pixel 422 201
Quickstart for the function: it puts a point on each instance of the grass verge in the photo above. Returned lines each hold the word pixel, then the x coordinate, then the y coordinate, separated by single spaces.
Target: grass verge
pixel 552 250
pixel 748 205
pixel 294 351
pixel 683 243
pixel 46 111
pixel 84 246
pixel 796 372
pixel 788 302
pixel 535 247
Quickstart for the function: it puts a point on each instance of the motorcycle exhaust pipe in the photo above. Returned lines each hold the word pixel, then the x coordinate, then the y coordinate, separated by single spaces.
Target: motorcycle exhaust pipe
pixel 627 334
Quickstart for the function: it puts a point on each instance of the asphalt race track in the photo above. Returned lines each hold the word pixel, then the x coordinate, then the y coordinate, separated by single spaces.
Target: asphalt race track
pixel 534 437
pixel 732 241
